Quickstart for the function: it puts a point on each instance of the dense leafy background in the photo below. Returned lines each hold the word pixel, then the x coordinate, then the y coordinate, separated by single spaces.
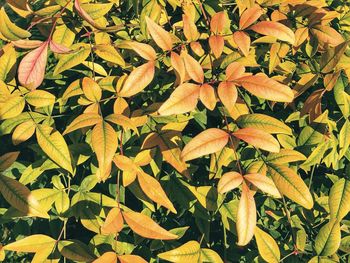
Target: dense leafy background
pixel 179 130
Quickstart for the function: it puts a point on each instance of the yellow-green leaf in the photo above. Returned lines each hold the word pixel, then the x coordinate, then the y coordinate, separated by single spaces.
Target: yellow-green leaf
pixel 267 246
pixel 188 252
pixel 13 107
pixel 54 145
pixel 82 121
pixel 328 238
pixel 339 199
pixel 110 54
pixel 40 98
pixel 9 30
pixel 31 244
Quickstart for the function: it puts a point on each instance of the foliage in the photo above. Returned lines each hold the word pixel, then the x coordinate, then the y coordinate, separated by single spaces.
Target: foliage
pixel 178 130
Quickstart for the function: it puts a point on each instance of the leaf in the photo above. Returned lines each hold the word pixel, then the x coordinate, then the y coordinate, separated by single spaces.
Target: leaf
pixel 144 50
pixel 82 121
pixel 54 145
pixel 327 35
pixel 242 40
pixel 331 57
pixel 344 143
pixel 339 199
pixel 246 217
pixel 75 250
pixel 68 61
pixel 114 222
pixel 110 54
pixel 209 255
pixel 20 197
pixel 91 89
pixel 228 95
pixel 13 107
pixel 183 99
pixel 266 88
pixel 160 36
pixel 31 70
pixel 285 156
pixel 7 62
pixel 152 188
pixel 207 142
pixel 207 96
pixel 291 185
pixel 193 68
pixel 216 44
pixel 264 183
pixel 59 48
pixel 107 257
pixel 40 98
pixel 267 246
pixel 229 181
pixel 123 121
pixel 31 244
pixel 188 252
pixel 234 71
pixel 23 132
pixel 263 122
pixel 7 160
pixel 10 30
pixel 138 80
pixel 328 238
pixel 146 227
pixel 104 141
pixel 131 259
pixel 179 66
pixel 249 16
pixel 190 30
pixel 258 138
pixel 217 22
pixel 274 29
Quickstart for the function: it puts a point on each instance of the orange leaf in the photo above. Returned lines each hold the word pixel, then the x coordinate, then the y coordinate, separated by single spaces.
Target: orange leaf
pixel 274 29
pixel 91 89
pixel 131 259
pixel 217 22
pixel 242 40
pixel 228 94
pixel 216 44
pixel 144 50
pixel 258 138
pixel 266 88
pixel 249 16
pixel 179 66
pixel 264 183
pixel 82 121
pixel 138 79
pixel 152 188
pixel 190 29
pixel 146 227
pixel 31 70
pixel 246 217
pixel 327 35
pixel 114 222
pixel 183 99
pixel 107 257
pixel 229 181
pixel 207 96
pixel 234 71
pixel 193 68
pixel 160 36
pixel 207 142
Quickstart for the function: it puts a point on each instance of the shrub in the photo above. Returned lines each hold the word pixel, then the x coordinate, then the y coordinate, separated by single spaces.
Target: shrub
pixel 183 131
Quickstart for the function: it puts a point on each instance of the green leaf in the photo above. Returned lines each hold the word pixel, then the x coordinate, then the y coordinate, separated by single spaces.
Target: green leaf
pixel 328 238
pixel 54 145
pixel 75 250
pixel 188 252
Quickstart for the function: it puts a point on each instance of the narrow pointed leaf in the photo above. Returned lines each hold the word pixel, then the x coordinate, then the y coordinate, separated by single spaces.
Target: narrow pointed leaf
pixel 188 252
pixel 267 246
pixel 328 238
pixel 339 199
pixel 229 181
pixel 274 29
pixel 160 36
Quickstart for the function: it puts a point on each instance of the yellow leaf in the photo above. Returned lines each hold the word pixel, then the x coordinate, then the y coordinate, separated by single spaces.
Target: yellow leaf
pixel 109 53
pixel 328 238
pixel 229 181
pixel 104 142
pixel 183 99
pixel 207 142
pixel 82 121
pixel 285 156
pixel 291 185
pixel 7 61
pixel 146 227
pixel 246 217
pixel 339 199
pixel 162 38
pixel 267 246
pixel 274 29
pixel 40 98
pixel 123 121
pixel 258 138
pixel 9 30
pixel 91 89
pixel 264 183
pixel 23 132
pixel 19 196
pixel 31 244
pixel 13 107
pixel 152 188
pixel 188 252
pixel 54 145
pixel 138 79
